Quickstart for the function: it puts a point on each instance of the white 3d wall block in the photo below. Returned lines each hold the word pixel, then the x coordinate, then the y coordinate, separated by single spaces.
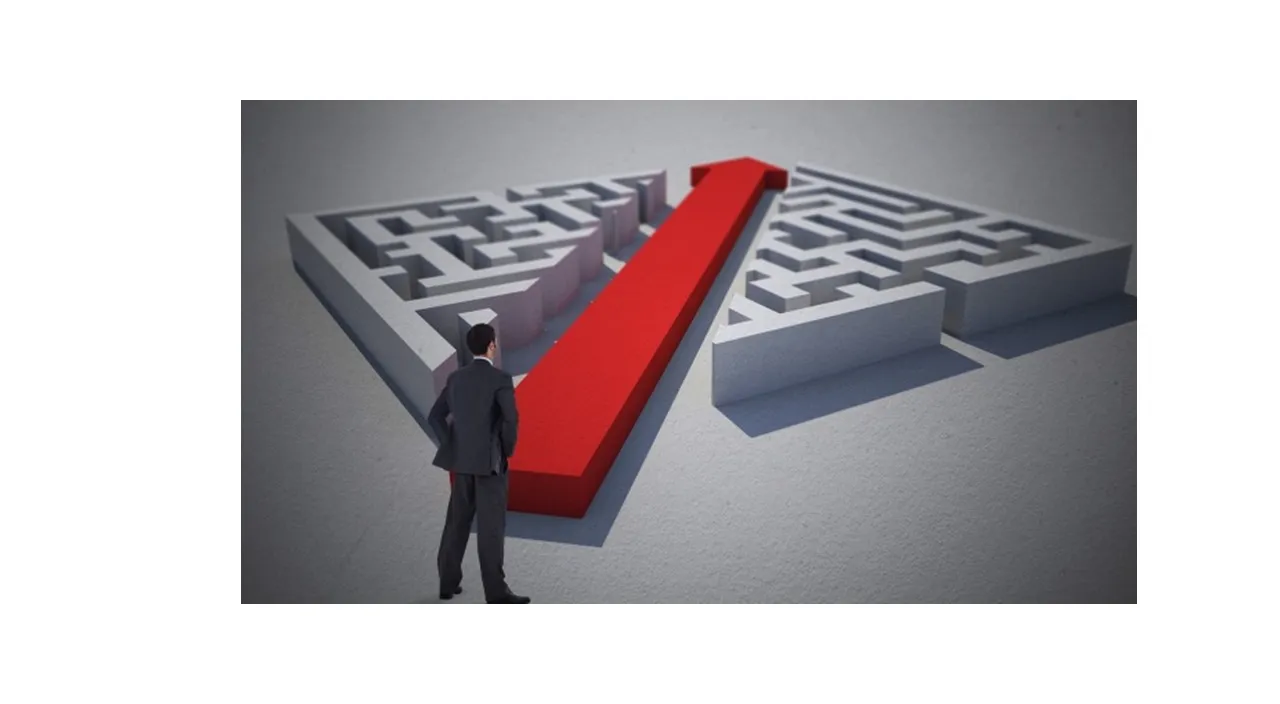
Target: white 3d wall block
pixel 852 271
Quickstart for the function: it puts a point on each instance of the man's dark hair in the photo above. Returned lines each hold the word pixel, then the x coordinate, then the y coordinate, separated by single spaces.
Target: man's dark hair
pixel 479 337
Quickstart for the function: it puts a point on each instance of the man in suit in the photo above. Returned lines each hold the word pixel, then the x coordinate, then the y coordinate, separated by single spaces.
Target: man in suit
pixel 475 447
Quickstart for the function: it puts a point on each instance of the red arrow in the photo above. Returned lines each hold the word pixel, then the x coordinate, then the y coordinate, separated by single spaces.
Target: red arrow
pixel 581 400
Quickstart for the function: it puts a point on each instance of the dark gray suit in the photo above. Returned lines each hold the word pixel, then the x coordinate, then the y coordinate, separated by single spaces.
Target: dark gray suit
pixel 475 447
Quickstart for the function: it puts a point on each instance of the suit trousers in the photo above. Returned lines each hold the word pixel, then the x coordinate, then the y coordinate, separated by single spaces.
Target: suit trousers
pixel 483 498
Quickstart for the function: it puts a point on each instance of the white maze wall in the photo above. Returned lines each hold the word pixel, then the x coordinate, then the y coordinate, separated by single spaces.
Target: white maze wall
pixel 408 279
pixel 851 271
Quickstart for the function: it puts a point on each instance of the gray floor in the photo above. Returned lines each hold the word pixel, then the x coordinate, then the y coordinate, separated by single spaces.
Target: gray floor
pixel 1002 470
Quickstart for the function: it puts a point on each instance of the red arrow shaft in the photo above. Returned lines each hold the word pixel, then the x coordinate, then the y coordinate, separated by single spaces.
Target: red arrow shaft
pixel 579 403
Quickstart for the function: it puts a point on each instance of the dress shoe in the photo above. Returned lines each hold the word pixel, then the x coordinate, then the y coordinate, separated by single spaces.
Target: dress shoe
pixel 510 598
pixel 445 596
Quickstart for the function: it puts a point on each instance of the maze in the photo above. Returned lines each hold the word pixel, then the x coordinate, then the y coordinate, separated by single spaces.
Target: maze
pixel 408 279
pixel 851 272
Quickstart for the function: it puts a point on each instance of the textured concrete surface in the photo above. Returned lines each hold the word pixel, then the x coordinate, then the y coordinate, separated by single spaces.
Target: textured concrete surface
pixel 1001 468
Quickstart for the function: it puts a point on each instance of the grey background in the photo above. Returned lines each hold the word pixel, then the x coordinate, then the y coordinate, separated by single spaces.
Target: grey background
pixel 998 471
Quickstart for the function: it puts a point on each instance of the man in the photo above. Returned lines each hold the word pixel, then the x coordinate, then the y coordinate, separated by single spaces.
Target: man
pixel 475 447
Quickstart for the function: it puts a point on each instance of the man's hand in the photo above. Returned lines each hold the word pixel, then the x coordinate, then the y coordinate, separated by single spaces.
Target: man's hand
pixel 438 418
pixel 510 416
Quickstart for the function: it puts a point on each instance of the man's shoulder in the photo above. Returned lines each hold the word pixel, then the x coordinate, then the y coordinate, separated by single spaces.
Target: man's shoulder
pixel 464 375
pixel 501 374
pixel 481 369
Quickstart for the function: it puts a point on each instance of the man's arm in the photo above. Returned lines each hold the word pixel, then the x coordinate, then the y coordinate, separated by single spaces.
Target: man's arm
pixel 510 417
pixel 439 412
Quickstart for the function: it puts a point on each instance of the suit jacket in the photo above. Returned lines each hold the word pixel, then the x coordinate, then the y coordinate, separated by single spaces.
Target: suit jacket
pixel 481 399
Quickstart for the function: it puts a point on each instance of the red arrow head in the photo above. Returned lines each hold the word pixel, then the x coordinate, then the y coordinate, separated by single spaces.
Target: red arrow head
pixel 775 179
